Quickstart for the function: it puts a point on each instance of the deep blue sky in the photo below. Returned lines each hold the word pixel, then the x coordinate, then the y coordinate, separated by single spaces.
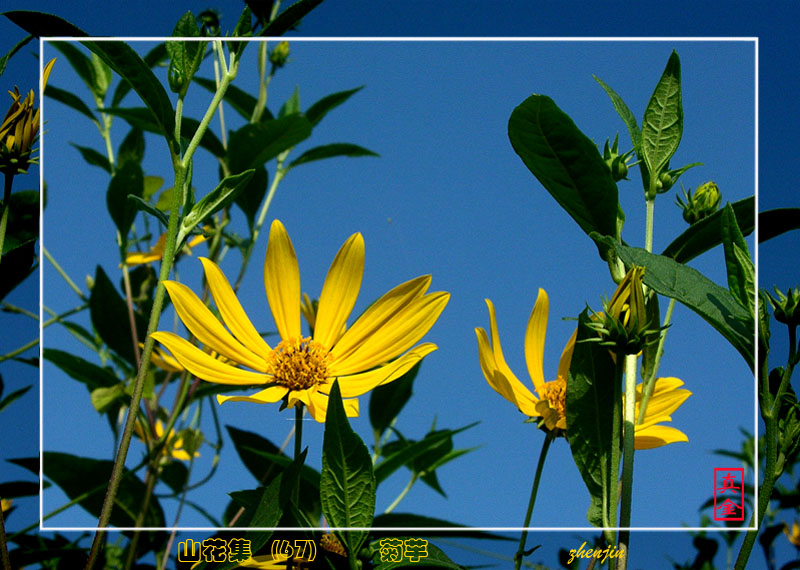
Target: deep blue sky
pixel 505 237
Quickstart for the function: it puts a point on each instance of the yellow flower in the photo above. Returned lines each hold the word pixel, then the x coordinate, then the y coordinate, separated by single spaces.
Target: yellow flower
pixel 794 536
pixel 174 446
pixel 19 129
pixel 550 405
pixel 5 504
pixel 157 252
pixel 378 348
pixel 267 562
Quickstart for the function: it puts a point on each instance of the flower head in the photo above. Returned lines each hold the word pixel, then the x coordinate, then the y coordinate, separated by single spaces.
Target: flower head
pixel 623 325
pixel 794 535
pixel 5 505
pixel 550 405
pixel 376 349
pixel 174 446
pixel 19 129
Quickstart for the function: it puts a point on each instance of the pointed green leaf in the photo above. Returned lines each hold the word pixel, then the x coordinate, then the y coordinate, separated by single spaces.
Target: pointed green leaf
pixel 140 204
pixel 386 401
pixel 15 395
pixel 331 151
pixel 688 286
pixel 81 63
pixel 184 56
pixel 292 104
pixel 70 100
pixel 662 125
pixel 217 199
pixel 20 44
pixel 255 144
pixel 109 314
pixel 435 558
pixel 738 265
pixel 625 114
pixel 120 57
pixel 83 371
pixel 128 180
pixel 318 110
pixel 707 233
pixel 566 162
pixel 42 24
pixel 773 223
pixel 251 196
pixel 86 480
pixel 131 148
pixel 153 58
pixel 93 157
pixel 289 18
pixel 347 483
pixel 589 407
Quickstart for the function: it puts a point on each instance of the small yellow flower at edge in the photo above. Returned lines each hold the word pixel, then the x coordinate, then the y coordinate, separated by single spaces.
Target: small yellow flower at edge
pixel 5 504
pixel 174 444
pixel 551 405
pixel 157 251
pixel 376 349
pixel 794 536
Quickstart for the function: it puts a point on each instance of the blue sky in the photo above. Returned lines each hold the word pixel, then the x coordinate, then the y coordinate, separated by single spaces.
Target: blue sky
pixel 464 208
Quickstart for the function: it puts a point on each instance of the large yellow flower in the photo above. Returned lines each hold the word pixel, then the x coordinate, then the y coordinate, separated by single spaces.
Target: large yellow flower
pixel 550 404
pixel 376 349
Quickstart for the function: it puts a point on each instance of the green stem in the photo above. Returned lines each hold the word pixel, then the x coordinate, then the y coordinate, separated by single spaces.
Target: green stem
pixel 9 180
pixel 627 461
pixel 648 232
pixel 150 483
pixel 63 274
pixel 3 543
pixel 534 491
pixel 402 494
pixel 650 383
pixel 612 481
pixel 9 308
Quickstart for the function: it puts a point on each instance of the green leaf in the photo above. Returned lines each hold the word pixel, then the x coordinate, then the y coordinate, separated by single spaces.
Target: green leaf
pixel 19 247
pixel 82 65
pixel 109 314
pixel 20 44
pixel 255 144
pixel 773 223
pixel 14 489
pixel 410 520
pixel 347 482
pixel 120 57
pixel 15 395
pixel 70 100
pixel 241 101
pixel 217 199
pixel 738 265
pixel 142 118
pixel 289 18
pixel 42 24
pixel 86 480
pixel 318 110
pixel 153 58
pixel 251 196
pixel 93 157
pixel 589 405
pixel 625 114
pixel 707 233
pixel 566 162
pixel 330 151
pixel 150 209
pixel 131 148
pixel 128 180
pixel 292 104
pixel 184 57
pixel 175 474
pixel 386 401
pixel 686 285
pixel 662 125
pixel 104 398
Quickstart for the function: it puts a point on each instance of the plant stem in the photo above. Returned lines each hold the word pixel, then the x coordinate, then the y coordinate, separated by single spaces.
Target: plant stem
pixel 650 383
pixel 402 494
pixel 3 544
pixel 648 232
pixel 9 180
pixel 534 490
pixel 627 461
pixel 612 482
pixel 149 485
pixel 63 274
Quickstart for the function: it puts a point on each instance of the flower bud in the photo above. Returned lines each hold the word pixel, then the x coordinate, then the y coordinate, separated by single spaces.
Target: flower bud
pixel 785 307
pixel 664 182
pixel 280 54
pixel 617 163
pixel 702 204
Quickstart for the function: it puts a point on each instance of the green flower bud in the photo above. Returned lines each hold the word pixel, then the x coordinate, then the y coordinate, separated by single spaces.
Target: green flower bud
pixel 702 204
pixel 664 182
pixel 209 23
pixel 617 163
pixel 785 307
pixel 280 54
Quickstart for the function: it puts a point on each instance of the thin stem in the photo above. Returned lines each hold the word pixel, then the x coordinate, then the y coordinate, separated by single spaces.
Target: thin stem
pixel 126 280
pixel 534 491
pixel 9 308
pixel 9 181
pixel 3 544
pixel 263 83
pixel 612 482
pixel 20 350
pixel 627 461
pixel 648 232
pixel 402 494
pixel 650 383
pixel 150 483
pixel 63 274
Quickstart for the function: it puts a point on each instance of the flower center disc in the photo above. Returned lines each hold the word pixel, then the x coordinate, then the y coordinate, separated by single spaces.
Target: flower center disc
pixel 299 363
pixel 555 393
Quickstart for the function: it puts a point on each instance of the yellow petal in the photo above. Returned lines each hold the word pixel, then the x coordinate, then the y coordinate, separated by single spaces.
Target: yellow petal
pixel 46 74
pixel 340 291
pixel 231 310
pixel 282 282
pixel 318 406
pixel 267 396
pixel 657 436
pixel 507 385
pixel 534 340
pixel 379 313
pixel 204 366
pixel 208 330
pixel 566 357
pixel 397 335
pixel 497 350
pixel 358 384
pixel 163 360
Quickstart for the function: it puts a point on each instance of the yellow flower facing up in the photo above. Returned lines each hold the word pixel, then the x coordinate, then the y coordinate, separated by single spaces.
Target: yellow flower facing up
pixel 376 349
pixel 794 535
pixel 550 405
pixel 19 129
pixel 157 251
pixel 174 446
